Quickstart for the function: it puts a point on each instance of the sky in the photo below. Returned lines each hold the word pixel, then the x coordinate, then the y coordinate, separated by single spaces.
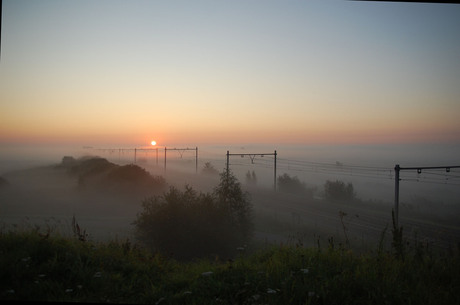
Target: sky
pixel 193 72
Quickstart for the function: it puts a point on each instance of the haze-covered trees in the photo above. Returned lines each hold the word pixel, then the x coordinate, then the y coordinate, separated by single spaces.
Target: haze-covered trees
pixel 251 178
pixel 188 224
pixel 290 184
pixel 97 173
pixel 209 169
pixel 338 190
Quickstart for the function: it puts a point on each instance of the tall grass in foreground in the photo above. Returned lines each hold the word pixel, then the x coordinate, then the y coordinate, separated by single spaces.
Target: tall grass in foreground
pixel 51 267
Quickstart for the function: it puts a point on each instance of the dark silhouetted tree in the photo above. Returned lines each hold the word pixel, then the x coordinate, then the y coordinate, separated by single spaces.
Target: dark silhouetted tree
pixel 187 224
pixel 338 190
pixel 290 184
pixel 209 169
pixel 251 178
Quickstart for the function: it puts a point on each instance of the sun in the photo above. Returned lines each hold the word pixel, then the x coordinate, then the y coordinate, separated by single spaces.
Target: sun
pixel 153 143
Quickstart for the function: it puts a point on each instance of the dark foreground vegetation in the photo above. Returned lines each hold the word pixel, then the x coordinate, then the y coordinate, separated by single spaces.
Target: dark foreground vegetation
pixel 39 266
pixel 197 248
pixel 187 224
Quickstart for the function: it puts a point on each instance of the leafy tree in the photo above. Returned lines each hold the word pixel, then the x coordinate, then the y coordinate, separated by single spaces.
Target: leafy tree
pixel 338 190
pixel 251 178
pixel 209 169
pixel 231 197
pixel 290 184
pixel 187 224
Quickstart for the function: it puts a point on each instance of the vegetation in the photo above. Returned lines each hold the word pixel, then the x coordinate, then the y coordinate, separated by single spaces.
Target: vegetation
pixel 209 169
pixel 187 224
pixel 98 173
pixel 290 184
pixel 337 190
pixel 37 267
pixel 251 178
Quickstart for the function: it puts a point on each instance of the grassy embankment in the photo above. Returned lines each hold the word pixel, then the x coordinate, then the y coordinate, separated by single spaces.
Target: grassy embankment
pixel 51 267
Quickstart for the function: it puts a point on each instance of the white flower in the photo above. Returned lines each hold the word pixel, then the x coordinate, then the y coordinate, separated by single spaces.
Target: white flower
pixel 97 274
pixel 304 270
pixel 271 291
pixel 208 273
pixel 26 259
pixel 256 297
pixel 68 290
pixel 41 275
pixel 186 292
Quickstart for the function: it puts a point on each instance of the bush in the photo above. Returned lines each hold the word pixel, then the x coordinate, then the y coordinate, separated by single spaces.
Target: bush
pixel 337 190
pixel 187 224
pixel 290 184
pixel 98 173
pixel 209 169
pixel 251 178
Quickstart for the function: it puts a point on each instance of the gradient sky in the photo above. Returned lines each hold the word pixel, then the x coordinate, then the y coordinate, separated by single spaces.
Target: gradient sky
pixel 192 72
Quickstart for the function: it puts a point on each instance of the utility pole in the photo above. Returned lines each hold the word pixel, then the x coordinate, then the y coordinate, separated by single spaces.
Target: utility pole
pixel 419 171
pixel 397 169
pixel 252 157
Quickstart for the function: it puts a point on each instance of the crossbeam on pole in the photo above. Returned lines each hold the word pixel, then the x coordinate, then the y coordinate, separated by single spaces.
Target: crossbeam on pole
pixel 419 170
pixel 252 157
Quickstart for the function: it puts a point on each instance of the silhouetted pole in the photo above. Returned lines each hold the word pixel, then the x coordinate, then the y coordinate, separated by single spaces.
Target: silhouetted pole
pixel 196 160
pixel 135 151
pixel 228 157
pixel 397 169
pixel 274 183
pixel 165 158
pixel 419 170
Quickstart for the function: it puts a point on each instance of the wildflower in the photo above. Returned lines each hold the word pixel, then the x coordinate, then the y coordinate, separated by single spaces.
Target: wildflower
pixel 256 297
pixel 68 290
pixel 208 273
pixel 271 291
pixel 97 274
pixel 41 275
pixel 305 271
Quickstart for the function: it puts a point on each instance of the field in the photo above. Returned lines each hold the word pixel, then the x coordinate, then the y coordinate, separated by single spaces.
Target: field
pixel 305 250
pixel 50 267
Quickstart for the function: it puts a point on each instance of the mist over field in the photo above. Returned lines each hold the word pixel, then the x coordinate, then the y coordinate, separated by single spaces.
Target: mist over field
pixel 39 190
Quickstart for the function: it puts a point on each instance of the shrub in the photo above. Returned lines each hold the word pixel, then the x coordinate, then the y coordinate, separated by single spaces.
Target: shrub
pixel 187 224
pixel 209 169
pixel 251 178
pixel 96 172
pixel 290 184
pixel 337 190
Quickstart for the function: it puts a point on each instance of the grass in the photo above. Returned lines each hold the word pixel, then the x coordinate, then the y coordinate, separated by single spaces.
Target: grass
pixel 52 267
